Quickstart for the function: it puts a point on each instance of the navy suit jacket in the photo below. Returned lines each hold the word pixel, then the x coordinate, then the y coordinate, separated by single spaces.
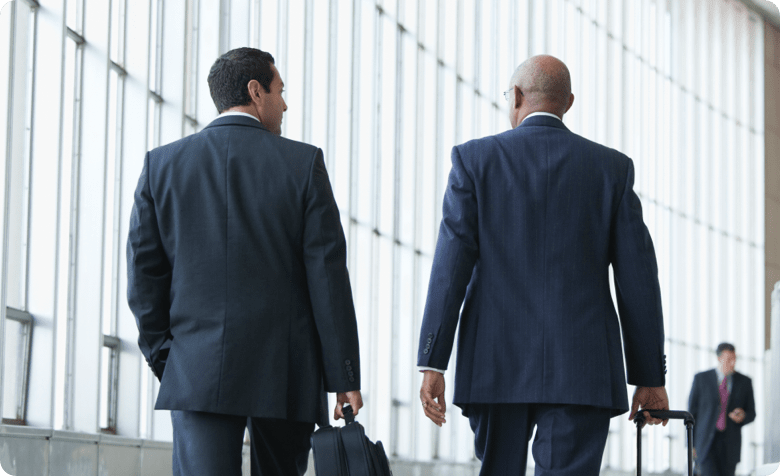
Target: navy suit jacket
pixel 237 275
pixel 532 220
pixel 704 405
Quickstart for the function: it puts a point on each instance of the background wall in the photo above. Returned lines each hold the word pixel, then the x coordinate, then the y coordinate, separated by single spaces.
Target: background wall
pixel 385 87
pixel 772 175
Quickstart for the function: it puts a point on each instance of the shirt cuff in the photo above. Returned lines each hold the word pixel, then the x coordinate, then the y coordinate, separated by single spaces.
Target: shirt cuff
pixel 420 368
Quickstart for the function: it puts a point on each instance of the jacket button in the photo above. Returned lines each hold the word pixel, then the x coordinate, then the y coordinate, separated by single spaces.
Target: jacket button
pixel 351 374
pixel 425 351
pixel 430 335
pixel 351 379
pixel 347 362
pixel 430 340
pixel 349 367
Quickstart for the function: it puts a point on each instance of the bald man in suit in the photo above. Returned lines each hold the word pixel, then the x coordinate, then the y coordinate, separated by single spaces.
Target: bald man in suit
pixel 532 220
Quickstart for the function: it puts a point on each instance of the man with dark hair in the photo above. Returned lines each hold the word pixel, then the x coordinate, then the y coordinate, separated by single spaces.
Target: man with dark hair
pixel 722 403
pixel 532 220
pixel 238 282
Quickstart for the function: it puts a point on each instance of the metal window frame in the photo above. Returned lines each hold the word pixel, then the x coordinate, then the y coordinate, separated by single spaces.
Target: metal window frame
pixel 113 343
pixel 23 382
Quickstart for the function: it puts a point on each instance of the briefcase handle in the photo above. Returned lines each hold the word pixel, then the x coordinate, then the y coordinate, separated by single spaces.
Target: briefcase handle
pixel 639 420
pixel 349 416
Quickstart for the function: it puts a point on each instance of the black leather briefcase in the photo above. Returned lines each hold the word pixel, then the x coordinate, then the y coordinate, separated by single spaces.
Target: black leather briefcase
pixel 347 451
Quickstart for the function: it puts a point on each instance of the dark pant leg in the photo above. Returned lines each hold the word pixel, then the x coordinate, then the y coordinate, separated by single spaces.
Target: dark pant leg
pixel 501 434
pixel 716 462
pixel 279 447
pixel 570 439
pixel 207 444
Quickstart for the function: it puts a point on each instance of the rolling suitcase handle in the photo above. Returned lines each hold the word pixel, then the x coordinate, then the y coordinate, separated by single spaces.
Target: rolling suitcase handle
pixel 639 420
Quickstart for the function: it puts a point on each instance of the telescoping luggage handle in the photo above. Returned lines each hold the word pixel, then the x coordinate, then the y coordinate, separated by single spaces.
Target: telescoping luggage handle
pixel 639 420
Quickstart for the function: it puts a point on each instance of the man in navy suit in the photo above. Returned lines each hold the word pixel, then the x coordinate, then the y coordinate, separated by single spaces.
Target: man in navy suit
pixel 238 282
pixel 722 403
pixel 532 220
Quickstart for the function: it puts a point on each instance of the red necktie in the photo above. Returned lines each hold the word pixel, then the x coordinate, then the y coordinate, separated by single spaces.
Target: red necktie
pixel 724 398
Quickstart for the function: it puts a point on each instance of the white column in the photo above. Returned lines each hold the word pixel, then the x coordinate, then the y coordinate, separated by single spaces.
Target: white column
pixel 771 428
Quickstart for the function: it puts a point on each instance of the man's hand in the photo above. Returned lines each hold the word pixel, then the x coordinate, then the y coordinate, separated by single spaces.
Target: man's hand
pixel 737 415
pixel 355 400
pixel 654 398
pixel 432 396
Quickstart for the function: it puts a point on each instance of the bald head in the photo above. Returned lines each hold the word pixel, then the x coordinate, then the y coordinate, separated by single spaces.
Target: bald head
pixel 545 84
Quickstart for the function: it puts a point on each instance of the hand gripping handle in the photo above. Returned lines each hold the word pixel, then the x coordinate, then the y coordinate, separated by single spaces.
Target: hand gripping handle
pixel 639 420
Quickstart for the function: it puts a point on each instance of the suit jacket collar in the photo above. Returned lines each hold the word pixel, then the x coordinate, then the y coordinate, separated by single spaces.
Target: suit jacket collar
pixel 544 121
pixel 236 120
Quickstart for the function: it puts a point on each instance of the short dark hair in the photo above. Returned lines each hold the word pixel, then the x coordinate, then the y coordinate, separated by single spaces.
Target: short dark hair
pixel 231 73
pixel 724 346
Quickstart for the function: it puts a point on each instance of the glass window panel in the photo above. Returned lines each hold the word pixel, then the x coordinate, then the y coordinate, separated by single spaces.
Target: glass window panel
pixel 429 27
pixel 320 73
pixel 487 51
pixel 293 72
pixel 110 231
pixel 430 202
pixel 448 99
pixel 383 336
pixel 449 34
pixel 152 124
pixel 364 168
pixel 467 40
pixel 465 113
pixel 268 25
pixel 390 8
pixel 12 368
pixel 74 15
pixel 409 141
pixel 69 153
pixel 118 31
pixel 556 15
pixel 342 105
pixel 408 10
pixel 387 127
pixel 616 23
pixel 536 27
pixel 191 60
pixel 155 46
pixel 505 62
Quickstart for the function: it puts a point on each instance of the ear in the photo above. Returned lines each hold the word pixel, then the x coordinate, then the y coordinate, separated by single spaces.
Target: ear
pixel 256 91
pixel 518 97
pixel 571 101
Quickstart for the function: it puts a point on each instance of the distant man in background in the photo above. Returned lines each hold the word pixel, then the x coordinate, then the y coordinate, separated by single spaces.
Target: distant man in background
pixel 238 282
pixel 532 220
pixel 722 403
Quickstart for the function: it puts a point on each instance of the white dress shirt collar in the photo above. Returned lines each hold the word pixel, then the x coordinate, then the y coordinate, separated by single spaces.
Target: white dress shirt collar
pixel 540 113
pixel 237 113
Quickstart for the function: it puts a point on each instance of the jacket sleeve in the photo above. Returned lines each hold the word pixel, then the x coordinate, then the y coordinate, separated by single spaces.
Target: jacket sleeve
pixel 148 277
pixel 749 404
pixel 457 249
pixel 325 258
pixel 638 291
